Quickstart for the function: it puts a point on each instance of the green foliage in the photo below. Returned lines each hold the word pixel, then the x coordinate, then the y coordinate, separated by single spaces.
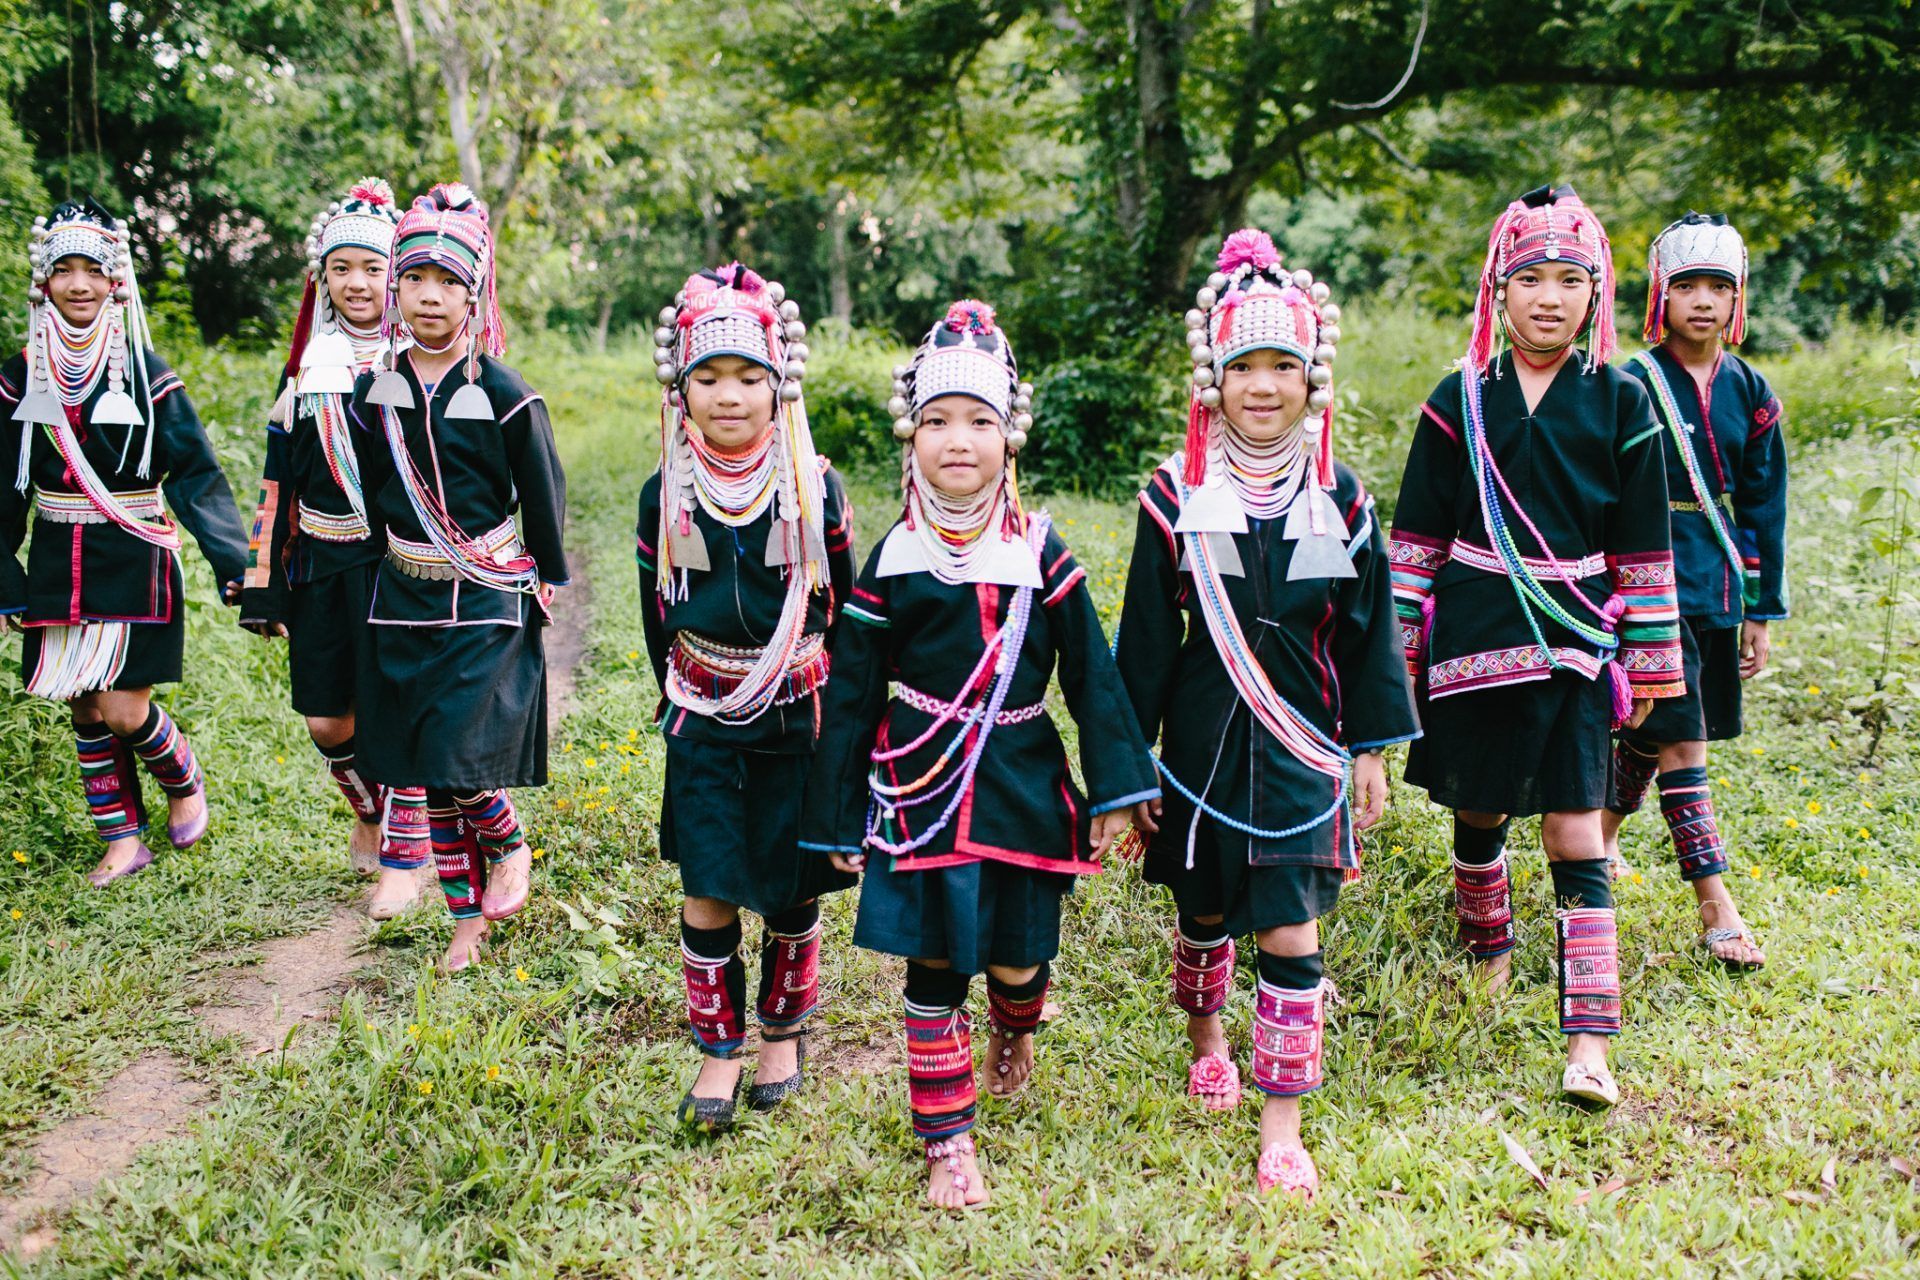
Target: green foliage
pixel 849 377
pixel 1100 425
pixel 22 199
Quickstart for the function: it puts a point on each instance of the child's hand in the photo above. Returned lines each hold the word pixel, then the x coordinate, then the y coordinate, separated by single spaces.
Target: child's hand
pixel 851 863
pixel 1370 789
pixel 1642 708
pixel 230 591
pixel 1755 647
pixel 1107 828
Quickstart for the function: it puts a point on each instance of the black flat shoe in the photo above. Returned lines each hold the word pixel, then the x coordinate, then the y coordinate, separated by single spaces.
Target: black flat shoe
pixel 765 1097
pixel 710 1114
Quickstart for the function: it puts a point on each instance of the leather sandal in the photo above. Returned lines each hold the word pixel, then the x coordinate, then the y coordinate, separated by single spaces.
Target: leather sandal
pixel 1593 1084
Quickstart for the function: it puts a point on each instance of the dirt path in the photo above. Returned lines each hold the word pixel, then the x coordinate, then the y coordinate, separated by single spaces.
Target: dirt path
pixel 566 642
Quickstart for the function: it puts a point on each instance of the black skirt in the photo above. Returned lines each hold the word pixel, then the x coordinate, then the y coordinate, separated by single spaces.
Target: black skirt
pixel 1710 708
pixel 1221 882
pixel 327 639
pixel 731 820
pixel 1540 747
pixel 971 916
pixel 155 653
pixel 455 708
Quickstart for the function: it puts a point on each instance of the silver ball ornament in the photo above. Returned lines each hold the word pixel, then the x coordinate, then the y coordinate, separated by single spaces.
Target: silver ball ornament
pixel 661 355
pixel 799 350
pixel 1016 439
pixel 667 316
pixel 663 336
pixel 1023 422
pixel 1330 334
pixel 1320 292
pixel 36 295
pixel 1217 281
pixel 897 406
pixel 1319 375
pixel 1210 397
pixel 1330 313
pixel 1196 337
pixel 1203 355
pixel 796 330
pixel 1324 353
pixel 899 386
pixel 664 372
pixel 789 311
pixel 1319 398
pixel 903 428
pixel 680 298
pixel 1196 318
pixel 1022 403
pixel 1206 297
pixel 790 391
pixel 1203 376
pixel 795 369
pixel 900 371
pixel 121 293
pixel 1303 279
pixel 776 292
pixel 1024 389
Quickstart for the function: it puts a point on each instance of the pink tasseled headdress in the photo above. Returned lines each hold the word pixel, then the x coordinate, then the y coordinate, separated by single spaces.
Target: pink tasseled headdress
pixel 1548 224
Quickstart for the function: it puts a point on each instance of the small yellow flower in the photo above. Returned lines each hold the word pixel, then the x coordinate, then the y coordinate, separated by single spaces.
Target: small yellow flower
pixel 1863 873
pixel 632 654
pixel 1832 745
pixel 1399 848
pixel 627 767
pixel 592 805
pixel 600 791
pixel 1813 689
pixel 1832 890
pixel 279 759
pixel 1754 872
pixel 593 762
pixel 1864 834
pixel 1813 806
pixel 14 914
pixel 1866 804
pixel 540 852
pixel 633 735
pixel 413 1029
pixel 1720 781
pixel 565 747
pixel 521 975
pixel 1638 878
pixel 1793 822
pixel 426 1088
pixel 370 1026
pixel 605 745
pixel 19 856
pixel 1759 751
pixel 1865 777
pixel 562 803
pixel 493 1072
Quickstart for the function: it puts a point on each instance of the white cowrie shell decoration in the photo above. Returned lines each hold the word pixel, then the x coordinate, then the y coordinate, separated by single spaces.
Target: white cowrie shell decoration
pixel 1319 375
pixel 903 428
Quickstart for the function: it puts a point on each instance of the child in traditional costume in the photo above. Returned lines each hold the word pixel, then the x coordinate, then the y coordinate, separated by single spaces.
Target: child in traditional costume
pixel 1534 582
pixel 1726 465
pixel 314 549
pixel 1258 644
pixel 745 546
pixel 99 428
pixel 958 782
pixel 451 443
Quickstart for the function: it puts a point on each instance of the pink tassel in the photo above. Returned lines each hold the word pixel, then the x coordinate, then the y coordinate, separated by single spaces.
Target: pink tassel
pixel 1426 626
pixel 1486 323
pixel 1248 248
pixel 1606 338
pixel 1199 426
pixel 1622 695
pixel 1323 465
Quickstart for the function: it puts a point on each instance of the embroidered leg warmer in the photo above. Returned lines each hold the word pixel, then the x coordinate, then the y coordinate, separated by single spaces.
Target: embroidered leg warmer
pixel 405 842
pixel 363 797
pixel 1014 1009
pixel 111 781
pixel 1589 948
pixel 716 980
pixel 167 754
pixel 456 856
pixel 940 1088
pixel 491 818
pixel 1289 1022
pixel 1482 890
pixel 1202 970
pixel 789 970
pixel 1686 801
pixel 1633 767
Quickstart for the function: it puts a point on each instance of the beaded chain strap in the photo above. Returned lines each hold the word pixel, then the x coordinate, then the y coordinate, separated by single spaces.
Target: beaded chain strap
pixel 1678 428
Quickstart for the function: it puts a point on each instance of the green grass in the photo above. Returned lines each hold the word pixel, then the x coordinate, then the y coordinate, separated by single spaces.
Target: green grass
pixel 333 1162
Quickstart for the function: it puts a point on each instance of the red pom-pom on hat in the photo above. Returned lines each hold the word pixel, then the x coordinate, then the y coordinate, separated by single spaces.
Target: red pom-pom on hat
pixel 970 316
pixel 373 191
pixel 1248 248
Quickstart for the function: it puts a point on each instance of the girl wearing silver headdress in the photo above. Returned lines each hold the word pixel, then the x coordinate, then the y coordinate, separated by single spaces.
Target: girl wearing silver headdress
pixel 101 428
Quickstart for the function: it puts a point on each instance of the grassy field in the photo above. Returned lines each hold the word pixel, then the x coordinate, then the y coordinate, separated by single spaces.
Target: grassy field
pixel 518 1121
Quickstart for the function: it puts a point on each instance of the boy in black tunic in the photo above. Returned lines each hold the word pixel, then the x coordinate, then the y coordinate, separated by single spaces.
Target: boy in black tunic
pixel 958 781
pixel 1534 581
pixel 451 443
pixel 1726 464
pixel 314 550
pixel 1258 643
pixel 99 428
pixel 745 546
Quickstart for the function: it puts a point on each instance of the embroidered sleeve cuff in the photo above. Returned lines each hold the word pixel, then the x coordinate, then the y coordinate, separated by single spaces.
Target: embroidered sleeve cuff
pixel 831 848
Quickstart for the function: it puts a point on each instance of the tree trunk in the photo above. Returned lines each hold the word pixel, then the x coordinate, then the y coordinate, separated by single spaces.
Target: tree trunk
pixel 603 323
pixel 839 221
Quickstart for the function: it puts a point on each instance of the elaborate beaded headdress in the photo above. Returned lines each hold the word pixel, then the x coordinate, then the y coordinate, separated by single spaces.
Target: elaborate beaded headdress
pixel 965 353
pixel 321 357
pixel 1547 224
pixel 733 311
pixel 84 229
pixel 1700 244
pixel 447 228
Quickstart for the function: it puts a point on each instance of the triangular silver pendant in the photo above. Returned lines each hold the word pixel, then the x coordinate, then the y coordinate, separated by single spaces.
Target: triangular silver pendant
pixel 777 543
pixel 117 407
pixel 1222 550
pixel 816 543
pixel 321 379
pixel 687 550
pixel 1301 511
pixel 1320 555
pixel 470 402
pixel 1211 508
pixel 325 349
pixel 391 389
pixel 40 406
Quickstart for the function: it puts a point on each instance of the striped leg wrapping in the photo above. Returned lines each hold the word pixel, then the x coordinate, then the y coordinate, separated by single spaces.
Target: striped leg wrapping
pixel 789 979
pixel 716 999
pixel 940 1086
pixel 1202 974
pixel 1686 802
pixel 491 817
pixel 1589 971
pixel 406 842
pixel 456 856
pixel 363 797
pixel 1632 770
pixel 1288 1037
pixel 1483 901
pixel 111 781
pixel 1015 1015
pixel 168 755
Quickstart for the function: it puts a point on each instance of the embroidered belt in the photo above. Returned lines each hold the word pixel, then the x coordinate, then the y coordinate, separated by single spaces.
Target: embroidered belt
pixel 714 670
pixel 73 508
pixel 938 706
pixel 1676 504
pixel 423 559
pixel 1482 558
pixel 324 526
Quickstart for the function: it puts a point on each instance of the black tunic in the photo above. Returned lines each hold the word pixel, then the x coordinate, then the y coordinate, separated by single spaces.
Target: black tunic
pixel 730 809
pixel 455 691
pixel 99 572
pixel 318 588
pixel 1332 651
pixel 1022 812
pixel 1585 468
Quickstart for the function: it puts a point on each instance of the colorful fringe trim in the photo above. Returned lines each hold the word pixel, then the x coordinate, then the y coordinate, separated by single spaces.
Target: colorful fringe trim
pixel 1288 1039
pixel 940 1088
pixel 1589 971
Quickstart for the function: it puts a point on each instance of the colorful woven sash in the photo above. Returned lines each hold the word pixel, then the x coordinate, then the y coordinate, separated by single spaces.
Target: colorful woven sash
pixel 469 558
pixel 704 676
pixel 1680 429
pixel 159 531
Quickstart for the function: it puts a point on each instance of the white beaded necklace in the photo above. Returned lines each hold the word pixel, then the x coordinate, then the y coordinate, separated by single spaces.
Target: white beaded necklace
pixel 1265 475
pixel 953 530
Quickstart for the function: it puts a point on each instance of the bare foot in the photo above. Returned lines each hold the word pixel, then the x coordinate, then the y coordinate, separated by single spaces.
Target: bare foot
pixel 1718 912
pixel 1494 974
pixel 469 945
pixel 184 809
pixel 119 853
pixel 779 1059
pixel 1007 1064
pixel 363 848
pixel 1218 1085
pixel 718 1077
pixel 953 1178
